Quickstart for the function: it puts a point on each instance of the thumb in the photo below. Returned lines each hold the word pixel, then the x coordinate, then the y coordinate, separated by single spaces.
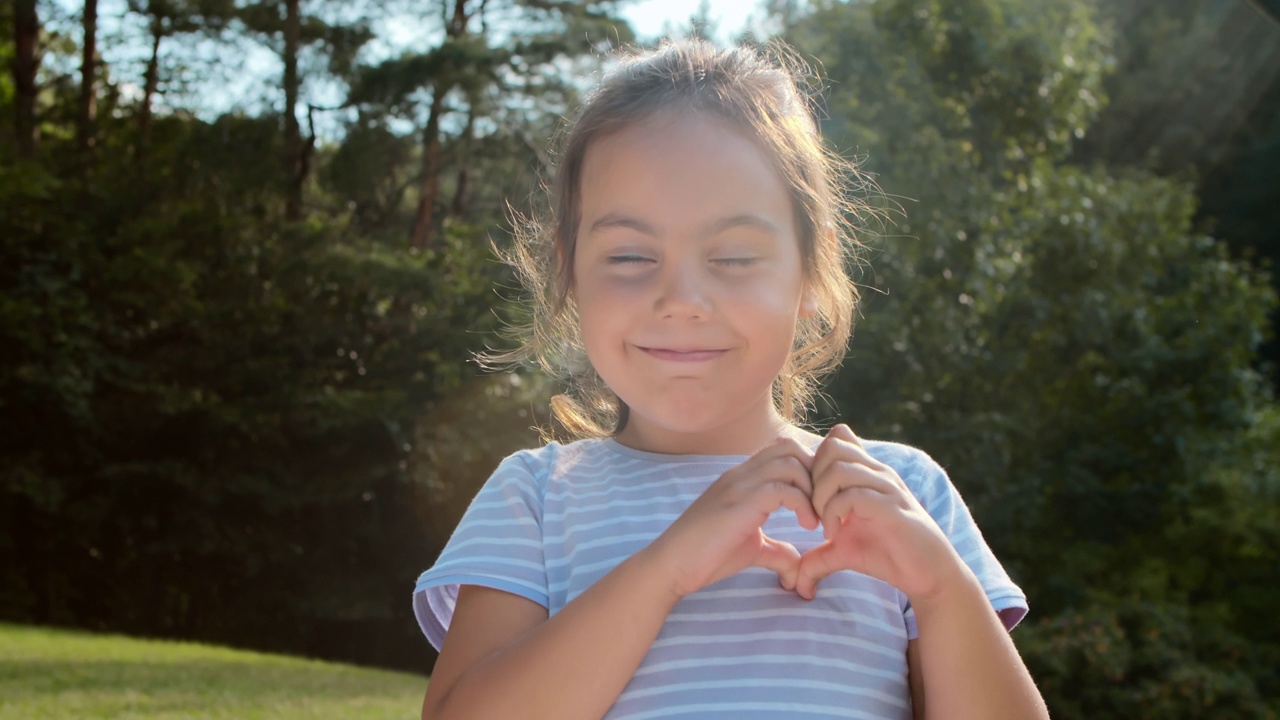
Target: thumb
pixel 815 565
pixel 780 557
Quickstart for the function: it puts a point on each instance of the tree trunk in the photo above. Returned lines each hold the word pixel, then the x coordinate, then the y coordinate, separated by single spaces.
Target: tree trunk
pixel 424 221
pixel 423 234
pixel 294 160
pixel 152 81
pixel 87 110
pixel 461 194
pixel 26 35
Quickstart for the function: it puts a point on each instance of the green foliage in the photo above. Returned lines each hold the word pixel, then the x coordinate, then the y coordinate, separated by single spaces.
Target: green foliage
pixel 1196 89
pixel 466 62
pixel 1121 657
pixel 1194 75
pixel 340 43
pixel 198 396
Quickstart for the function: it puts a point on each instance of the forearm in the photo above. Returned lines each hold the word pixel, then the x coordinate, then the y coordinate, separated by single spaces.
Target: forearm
pixel 970 666
pixel 576 663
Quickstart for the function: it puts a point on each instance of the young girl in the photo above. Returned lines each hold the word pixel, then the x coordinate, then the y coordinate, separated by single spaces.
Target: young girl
pixel 698 553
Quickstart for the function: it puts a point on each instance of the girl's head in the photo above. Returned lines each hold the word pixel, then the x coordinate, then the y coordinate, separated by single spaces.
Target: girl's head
pixel 740 112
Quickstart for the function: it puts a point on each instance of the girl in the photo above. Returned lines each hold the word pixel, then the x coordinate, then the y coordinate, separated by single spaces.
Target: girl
pixel 698 553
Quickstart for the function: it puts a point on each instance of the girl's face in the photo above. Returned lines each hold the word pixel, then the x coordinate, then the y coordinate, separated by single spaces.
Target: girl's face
pixel 688 281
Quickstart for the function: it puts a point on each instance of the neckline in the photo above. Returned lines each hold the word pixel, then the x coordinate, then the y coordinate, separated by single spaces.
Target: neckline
pixel 614 446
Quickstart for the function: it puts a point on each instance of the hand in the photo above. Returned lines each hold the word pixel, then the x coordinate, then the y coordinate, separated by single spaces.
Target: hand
pixel 873 524
pixel 720 533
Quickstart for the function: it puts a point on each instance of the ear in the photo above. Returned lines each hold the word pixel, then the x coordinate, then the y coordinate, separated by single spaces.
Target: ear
pixel 808 305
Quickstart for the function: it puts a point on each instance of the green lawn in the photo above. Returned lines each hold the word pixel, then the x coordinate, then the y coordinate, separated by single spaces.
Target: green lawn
pixel 59 674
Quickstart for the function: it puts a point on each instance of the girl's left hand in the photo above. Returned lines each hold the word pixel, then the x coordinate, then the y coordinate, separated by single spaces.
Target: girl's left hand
pixel 873 524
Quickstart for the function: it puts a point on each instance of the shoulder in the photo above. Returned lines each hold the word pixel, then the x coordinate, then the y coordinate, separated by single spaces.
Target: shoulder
pixel 542 465
pixel 901 456
pixel 917 468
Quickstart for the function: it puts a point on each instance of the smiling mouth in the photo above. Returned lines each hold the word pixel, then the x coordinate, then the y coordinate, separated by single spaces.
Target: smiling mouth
pixel 683 355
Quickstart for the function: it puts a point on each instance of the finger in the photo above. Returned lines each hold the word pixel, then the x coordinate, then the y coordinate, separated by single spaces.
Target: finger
pixel 840 443
pixel 778 494
pixel 852 505
pixel 833 518
pixel 789 469
pixel 781 557
pixel 845 433
pixel 843 475
pixel 838 436
pixel 785 447
pixel 815 565
pixel 832 448
pixel 776 463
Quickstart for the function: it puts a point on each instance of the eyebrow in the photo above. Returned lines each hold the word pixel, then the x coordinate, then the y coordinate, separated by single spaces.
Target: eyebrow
pixel 616 219
pixel 749 220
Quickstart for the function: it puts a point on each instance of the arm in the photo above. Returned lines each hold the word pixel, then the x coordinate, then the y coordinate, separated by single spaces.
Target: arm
pixel 964 661
pixel 503 657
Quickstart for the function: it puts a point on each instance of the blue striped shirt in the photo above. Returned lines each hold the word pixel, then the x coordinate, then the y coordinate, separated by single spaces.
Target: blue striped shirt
pixel 552 521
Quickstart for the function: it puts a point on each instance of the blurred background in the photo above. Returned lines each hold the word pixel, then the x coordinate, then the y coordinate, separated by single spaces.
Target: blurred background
pixel 245 258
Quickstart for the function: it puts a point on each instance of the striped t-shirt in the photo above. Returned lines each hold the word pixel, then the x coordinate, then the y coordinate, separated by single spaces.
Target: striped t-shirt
pixel 552 521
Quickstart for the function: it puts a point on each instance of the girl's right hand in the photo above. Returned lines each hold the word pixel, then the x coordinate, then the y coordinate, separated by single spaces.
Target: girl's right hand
pixel 720 533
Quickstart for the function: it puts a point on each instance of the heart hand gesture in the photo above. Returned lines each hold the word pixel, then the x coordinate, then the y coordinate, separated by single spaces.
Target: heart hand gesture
pixel 872 522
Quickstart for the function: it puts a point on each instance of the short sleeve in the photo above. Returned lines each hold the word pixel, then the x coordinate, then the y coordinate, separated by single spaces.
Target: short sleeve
pixel 943 502
pixel 497 544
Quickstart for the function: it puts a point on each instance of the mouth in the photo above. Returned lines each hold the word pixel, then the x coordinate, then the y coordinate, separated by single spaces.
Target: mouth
pixel 683 355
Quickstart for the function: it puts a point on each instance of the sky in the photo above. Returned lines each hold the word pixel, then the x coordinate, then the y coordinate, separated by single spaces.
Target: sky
pixel 649 17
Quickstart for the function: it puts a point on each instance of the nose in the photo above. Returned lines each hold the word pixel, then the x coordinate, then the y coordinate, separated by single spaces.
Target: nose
pixel 683 293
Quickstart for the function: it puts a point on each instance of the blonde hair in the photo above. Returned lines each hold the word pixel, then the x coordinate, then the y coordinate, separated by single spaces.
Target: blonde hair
pixel 761 91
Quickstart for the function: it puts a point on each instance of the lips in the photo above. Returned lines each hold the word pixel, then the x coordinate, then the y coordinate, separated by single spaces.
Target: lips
pixel 683 355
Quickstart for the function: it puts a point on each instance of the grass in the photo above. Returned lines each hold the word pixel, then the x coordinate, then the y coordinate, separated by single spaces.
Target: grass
pixel 59 674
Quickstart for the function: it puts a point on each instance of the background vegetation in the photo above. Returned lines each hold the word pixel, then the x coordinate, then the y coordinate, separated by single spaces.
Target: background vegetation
pixel 235 403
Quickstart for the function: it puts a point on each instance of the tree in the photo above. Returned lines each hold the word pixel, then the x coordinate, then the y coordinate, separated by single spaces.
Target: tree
pixel 86 114
pixel 26 62
pixel 282 24
pixel 1195 91
pixel 1074 351
pixel 180 432
pixel 167 18
pixel 470 65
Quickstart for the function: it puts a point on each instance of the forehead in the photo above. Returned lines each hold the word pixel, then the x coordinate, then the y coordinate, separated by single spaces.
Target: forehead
pixel 681 169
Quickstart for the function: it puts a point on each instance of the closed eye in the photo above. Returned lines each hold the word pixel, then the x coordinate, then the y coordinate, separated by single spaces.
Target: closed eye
pixel 628 259
pixel 736 261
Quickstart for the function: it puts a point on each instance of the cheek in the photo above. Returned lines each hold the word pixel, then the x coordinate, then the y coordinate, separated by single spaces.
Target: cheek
pixel 772 298
pixel 601 311
pixel 607 295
